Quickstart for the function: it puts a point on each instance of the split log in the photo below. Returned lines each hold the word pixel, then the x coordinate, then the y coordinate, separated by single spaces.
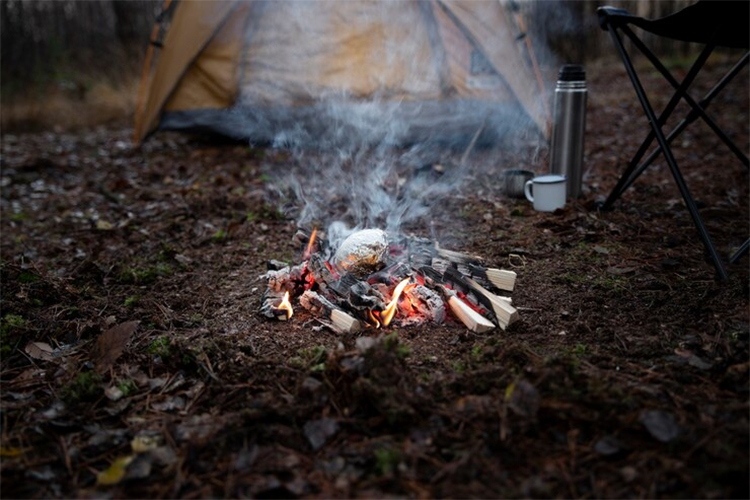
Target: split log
pixel 468 316
pixel 505 313
pixel 337 319
pixel 499 278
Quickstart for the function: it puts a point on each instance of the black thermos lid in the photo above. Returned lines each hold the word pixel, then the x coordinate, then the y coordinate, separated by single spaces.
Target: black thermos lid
pixel 572 73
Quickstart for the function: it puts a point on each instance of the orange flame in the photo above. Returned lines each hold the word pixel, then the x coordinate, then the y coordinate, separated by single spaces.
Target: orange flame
pixel 390 310
pixel 308 250
pixel 286 306
pixel 373 318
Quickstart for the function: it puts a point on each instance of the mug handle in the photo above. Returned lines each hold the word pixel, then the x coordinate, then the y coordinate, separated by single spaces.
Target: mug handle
pixel 527 190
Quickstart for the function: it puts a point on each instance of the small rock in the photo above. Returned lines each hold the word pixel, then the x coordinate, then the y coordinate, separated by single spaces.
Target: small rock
pixel 608 446
pixel 660 424
pixel 317 432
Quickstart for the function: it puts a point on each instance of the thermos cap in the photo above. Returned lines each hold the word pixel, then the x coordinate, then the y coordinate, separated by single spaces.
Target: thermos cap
pixel 572 73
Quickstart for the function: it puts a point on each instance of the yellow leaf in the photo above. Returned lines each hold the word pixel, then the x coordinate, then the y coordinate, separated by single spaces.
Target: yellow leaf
pixel 104 225
pixel 142 444
pixel 115 472
pixel 10 451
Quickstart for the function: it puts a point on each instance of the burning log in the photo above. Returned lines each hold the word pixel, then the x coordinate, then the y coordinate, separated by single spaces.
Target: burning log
pixel 362 253
pixel 425 303
pixel 287 278
pixel 359 294
pixel 340 321
pixel 276 305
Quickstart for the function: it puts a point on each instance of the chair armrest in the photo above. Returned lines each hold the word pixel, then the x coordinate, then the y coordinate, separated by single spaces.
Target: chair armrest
pixel 609 15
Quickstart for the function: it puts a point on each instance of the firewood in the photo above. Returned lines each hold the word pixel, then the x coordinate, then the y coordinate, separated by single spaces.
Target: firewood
pixel 340 321
pixel 499 278
pixel 458 257
pixel 505 313
pixel 269 303
pixel 468 316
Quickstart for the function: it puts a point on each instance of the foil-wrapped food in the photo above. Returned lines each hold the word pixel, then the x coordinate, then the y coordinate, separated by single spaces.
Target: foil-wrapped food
pixel 362 253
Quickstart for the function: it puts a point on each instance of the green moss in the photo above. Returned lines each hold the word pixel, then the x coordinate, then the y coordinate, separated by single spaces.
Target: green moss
pixel 27 277
pixel 143 275
pixel 459 366
pixel 386 460
pixel 84 387
pixel 19 216
pixel 160 347
pixel 126 386
pixel 131 300
pixel 219 235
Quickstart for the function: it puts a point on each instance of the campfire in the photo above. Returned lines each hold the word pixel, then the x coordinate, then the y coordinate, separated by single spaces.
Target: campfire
pixel 371 281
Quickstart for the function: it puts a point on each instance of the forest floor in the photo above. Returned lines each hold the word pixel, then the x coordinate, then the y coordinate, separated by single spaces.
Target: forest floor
pixel 135 363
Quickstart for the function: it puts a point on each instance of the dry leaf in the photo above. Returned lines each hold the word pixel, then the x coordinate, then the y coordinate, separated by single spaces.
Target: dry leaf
pixel 115 472
pixel 111 344
pixel 40 350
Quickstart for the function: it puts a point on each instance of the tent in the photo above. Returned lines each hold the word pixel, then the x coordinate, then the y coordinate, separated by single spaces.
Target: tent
pixel 247 69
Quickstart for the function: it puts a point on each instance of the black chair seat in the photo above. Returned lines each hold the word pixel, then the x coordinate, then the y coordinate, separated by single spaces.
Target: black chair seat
pixel 723 23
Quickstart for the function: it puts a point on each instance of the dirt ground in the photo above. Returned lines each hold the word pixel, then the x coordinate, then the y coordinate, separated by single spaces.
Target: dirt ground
pixel 135 364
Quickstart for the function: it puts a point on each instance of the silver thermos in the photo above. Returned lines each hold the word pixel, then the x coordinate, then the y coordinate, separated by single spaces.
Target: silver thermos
pixel 568 127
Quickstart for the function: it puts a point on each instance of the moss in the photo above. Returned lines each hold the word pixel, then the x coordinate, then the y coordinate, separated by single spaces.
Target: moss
pixel 27 277
pixel 131 300
pixel 143 275
pixel 8 328
pixel 386 460
pixel 219 235
pixel 84 387
pixel 160 347
pixel 126 386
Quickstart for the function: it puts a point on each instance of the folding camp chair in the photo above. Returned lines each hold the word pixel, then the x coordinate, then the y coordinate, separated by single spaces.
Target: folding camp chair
pixel 710 23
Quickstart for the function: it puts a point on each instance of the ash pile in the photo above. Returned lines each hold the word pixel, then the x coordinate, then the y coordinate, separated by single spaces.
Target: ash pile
pixel 371 281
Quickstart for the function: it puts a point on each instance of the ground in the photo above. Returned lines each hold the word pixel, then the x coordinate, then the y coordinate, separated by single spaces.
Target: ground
pixel 135 364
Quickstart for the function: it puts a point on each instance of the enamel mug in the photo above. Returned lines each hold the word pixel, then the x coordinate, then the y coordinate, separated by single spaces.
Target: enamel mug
pixel 546 192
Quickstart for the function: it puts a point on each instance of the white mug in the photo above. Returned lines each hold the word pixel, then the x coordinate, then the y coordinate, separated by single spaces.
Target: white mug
pixel 549 192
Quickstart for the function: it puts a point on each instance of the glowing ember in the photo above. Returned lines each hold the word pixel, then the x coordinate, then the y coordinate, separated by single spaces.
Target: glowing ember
pixel 390 310
pixel 308 250
pixel 286 306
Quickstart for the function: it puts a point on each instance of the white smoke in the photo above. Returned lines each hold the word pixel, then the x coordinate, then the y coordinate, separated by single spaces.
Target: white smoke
pixel 380 162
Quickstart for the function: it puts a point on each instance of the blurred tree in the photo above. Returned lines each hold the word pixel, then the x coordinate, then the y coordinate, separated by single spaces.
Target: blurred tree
pixel 42 41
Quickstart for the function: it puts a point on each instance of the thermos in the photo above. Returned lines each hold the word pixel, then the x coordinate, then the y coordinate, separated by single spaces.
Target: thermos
pixel 568 127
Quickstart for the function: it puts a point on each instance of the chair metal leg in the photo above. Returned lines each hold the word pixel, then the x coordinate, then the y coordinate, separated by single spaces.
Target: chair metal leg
pixel 628 177
pixel 739 253
pixel 653 121
pixel 696 107
pixel 624 185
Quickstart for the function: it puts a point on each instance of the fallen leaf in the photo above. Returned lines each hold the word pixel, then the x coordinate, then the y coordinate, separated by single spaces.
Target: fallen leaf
pixel 173 403
pixel 115 472
pixel 145 442
pixel 10 451
pixel 660 424
pixel 111 344
pixel 40 350
pixel 318 431
pixel 104 225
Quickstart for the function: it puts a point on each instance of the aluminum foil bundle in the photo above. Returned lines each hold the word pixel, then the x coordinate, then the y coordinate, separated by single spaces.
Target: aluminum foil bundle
pixel 362 253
